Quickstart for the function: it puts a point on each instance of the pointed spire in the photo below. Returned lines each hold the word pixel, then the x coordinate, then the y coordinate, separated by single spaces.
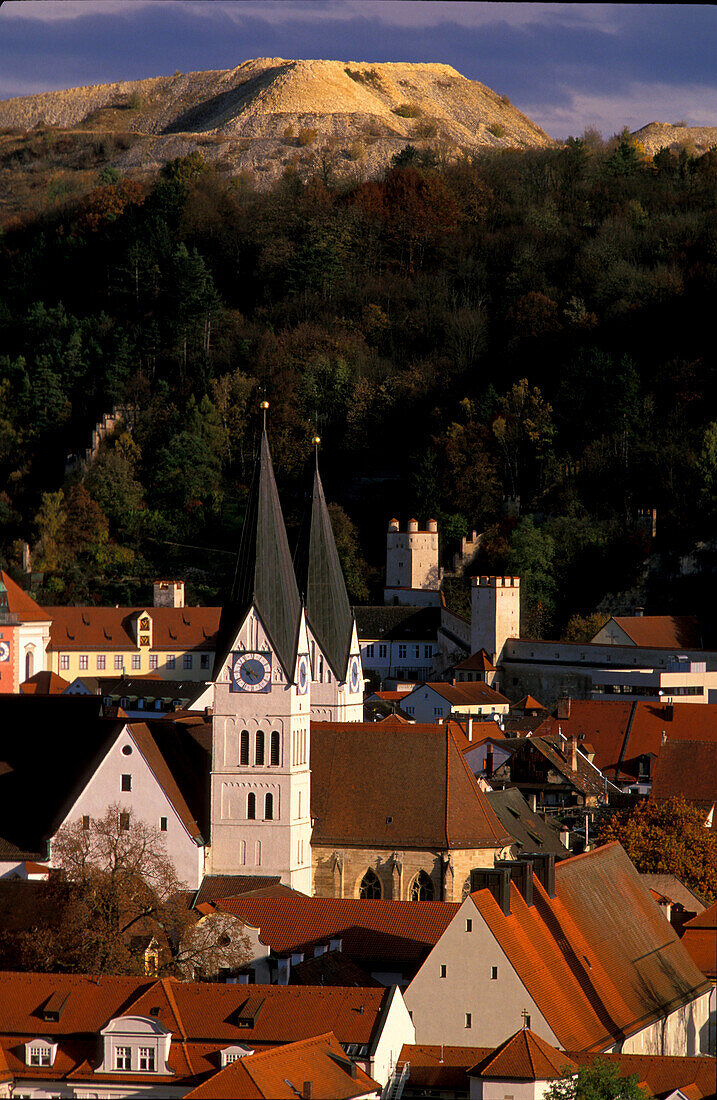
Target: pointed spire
pixel 264 575
pixel 321 580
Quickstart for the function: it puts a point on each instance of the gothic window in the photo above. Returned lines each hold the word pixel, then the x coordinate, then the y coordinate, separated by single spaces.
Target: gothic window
pixel 251 806
pixel 370 885
pixel 422 887
pixel 275 758
pixel 244 748
pixel 259 748
pixel 269 807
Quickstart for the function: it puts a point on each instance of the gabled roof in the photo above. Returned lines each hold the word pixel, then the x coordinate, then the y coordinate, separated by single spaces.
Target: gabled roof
pixel 406 786
pixel 687 769
pixel 322 585
pixel 586 778
pixel 74 629
pixel 367 928
pixel 524 1057
pixel 477 662
pixel 280 1074
pixel 44 683
pixel 528 829
pixel 681 631
pixel 20 604
pixel 699 937
pixel 465 693
pixel 180 760
pixel 264 575
pixel 215 887
pixel 528 702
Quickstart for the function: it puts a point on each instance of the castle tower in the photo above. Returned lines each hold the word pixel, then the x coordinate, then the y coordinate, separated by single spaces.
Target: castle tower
pixel 337 687
pixel 495 613
pixel 260 797
pixel 412 563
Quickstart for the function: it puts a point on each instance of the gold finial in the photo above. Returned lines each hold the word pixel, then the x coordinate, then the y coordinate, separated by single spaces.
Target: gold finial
pixel 316 440
pixel 264 406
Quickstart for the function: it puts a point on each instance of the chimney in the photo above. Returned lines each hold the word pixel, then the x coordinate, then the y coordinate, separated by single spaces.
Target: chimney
pixel 563 711
pixel 639 612
pixel 574 751
pixel 469 728
pixel 565 836
pixel 521 873
pixel 668 711
pixel 307 1091
pixel 497 880
pixel 544 867
pixel 489 761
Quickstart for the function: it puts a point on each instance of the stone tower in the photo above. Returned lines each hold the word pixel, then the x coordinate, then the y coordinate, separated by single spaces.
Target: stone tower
pixel 411 560
pixel 260 796
pixel 337 687
pixel 495 613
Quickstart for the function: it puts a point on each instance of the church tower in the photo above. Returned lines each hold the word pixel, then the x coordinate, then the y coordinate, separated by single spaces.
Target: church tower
pixel 337 686
pixel 260 785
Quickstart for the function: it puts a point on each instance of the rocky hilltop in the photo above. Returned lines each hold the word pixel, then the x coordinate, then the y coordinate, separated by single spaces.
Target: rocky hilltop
pixel 674 136
pixel 269 113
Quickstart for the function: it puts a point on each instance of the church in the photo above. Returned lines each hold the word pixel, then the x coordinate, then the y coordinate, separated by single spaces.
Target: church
pixel 300 786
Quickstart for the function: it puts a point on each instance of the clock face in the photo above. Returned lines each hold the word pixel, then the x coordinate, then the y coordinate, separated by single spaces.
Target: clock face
pixel 354 674
pixel 251 672
pixel 4 651
pixel 302 676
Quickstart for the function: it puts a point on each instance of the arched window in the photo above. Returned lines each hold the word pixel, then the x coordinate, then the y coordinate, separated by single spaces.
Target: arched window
pixel 370 885
pixel 422 887
pixel 259 748
pixel 269 807
pixel 275 758
pixel 251 807
pixel 29 664
pixel 244 748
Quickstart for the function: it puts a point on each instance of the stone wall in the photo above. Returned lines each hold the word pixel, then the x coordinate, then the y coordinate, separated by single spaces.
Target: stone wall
pixel 337 872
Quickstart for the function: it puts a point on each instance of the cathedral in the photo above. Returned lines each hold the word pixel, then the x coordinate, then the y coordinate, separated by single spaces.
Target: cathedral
pixel 288 674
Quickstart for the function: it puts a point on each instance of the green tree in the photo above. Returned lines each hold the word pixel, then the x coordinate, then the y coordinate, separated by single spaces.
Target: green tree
pixel 601 1080
pixel 583 628
pixel 355 569
pixel 532 558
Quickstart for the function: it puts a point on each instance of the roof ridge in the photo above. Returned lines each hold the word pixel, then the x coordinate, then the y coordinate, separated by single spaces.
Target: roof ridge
pixel 169 992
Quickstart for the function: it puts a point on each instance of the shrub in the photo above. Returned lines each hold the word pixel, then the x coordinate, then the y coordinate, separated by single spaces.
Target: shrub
pixel 365 76
pixel 355 150
pixel 496 129
pixel 680 123
pixel 407 110
pixel 426 129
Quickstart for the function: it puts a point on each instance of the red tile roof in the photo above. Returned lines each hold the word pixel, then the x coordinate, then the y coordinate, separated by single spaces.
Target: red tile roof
pixel 524 1057
pixel 699 937
pixel 466 693
pixel 427 797
pixel 477 662
pixel 367 928
pixel 100 628
pixel 280 1073
pixel 528 702
pixel 680 631
pixel 22 605
pixel 44 683
pixel 687 769
pixel 599 959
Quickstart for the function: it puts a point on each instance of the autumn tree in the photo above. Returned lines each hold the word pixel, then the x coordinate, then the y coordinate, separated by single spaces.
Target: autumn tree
pixel 601 1080
pixel 668 838
pixel 583 628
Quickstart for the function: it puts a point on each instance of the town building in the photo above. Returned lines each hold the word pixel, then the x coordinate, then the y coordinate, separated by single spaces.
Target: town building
pixel 437 701
pixel 413 575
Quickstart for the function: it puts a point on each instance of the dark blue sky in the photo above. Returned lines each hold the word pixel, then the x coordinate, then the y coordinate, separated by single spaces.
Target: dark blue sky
pixel 567 66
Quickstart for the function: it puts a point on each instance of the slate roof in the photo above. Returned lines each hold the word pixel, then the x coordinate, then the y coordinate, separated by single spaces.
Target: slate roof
pixel 397 623
pixel 427 797
pixel 528 829
pixel 663 631
pixel 322 585
pixel 599 959
pixel 524 1057
pixel 687 769
pixel 585 779
pixel 86 629
pixel 264 574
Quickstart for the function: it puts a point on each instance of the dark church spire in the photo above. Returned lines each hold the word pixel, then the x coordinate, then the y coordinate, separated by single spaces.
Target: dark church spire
pixel 321 581
pixel 264 574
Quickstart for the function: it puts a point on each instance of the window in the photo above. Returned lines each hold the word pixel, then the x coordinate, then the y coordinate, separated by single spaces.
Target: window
pixel 428 651
pixel 64 661
pixel 382 651
pixel 275 757
pixel 188 660
pixel 40 1056
pixel 126 782
pixel 469 925
pixel 153 660
pixel 244 748
pixel 411 710
pixel 162 824
pixel 468 1022
pixel 146 1058
pixel 84 661
pixel 269 808
pixel 438 712
pixel 29 664
pixel 171 660
pixel 442 971
pixel 123 1058
pixel 416 651
pixel 204 660
pixel 259 747
pixel 370 885
pixel 136 660
pixel 251 806
pixel 494 973
pixel 422 887
pixel 402 650
pixel 321 670
pixel 119 662
pixel 124 822
pixel 86 822
pixel 101 662
pixel 369 651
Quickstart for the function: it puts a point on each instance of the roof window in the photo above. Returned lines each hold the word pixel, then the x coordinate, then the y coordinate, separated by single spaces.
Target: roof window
pixel 40 1052
pixel 54 1007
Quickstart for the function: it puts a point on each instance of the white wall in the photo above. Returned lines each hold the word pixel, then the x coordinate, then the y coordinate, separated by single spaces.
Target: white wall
pixel 397 1030
pixel 684 1032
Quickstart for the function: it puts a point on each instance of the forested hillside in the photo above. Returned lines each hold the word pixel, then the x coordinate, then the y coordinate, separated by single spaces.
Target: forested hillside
pixel 522 344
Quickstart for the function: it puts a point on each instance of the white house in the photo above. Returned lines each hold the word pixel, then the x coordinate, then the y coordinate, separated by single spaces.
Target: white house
pixel 436 702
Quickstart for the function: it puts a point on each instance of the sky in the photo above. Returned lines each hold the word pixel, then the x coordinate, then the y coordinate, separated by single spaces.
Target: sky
pixel 567 66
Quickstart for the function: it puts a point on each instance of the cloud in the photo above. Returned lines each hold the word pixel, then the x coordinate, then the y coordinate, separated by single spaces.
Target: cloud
pixel 564 65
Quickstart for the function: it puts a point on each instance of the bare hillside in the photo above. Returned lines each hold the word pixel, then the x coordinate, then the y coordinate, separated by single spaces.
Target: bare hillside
pixel 269 113
pixel 665 135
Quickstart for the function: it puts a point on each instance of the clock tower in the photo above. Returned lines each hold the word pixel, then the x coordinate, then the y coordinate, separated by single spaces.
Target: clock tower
pixel 260 786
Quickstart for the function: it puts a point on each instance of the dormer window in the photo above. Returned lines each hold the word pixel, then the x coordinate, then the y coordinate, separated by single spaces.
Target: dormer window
pixel 135 1044
pixel 233 1053
pixel 40 1053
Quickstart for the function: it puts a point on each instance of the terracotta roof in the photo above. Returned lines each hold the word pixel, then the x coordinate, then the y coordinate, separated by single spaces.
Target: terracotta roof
pixel 585 779
pixel 663 631
pixel 477 662
pixel 44 683
pixel 20 604
pixel 687 769
pixel 367 928
pixel 528 702
pixel 102 628
pixel 389 696
pixel 468 693
pixel 599 959
pixel 524 1057
pixel 280 1073
pixel 699 937
pixel 216 887
pixel 396 787
pixel 440 1067
pixel 331 968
